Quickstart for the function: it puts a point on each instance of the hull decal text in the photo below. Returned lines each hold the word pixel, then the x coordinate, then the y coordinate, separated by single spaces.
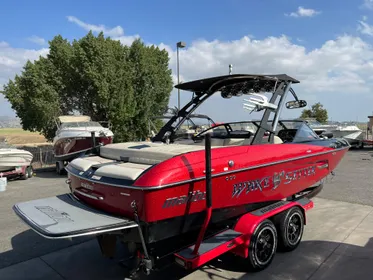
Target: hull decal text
pixel 184 199
pixel 272 182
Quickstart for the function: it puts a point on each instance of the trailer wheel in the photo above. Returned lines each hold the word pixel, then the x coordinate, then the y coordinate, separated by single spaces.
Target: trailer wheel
pixel 361 145
pixel 290 228
pixel 57 168
pixel 29 171
pixel 24 176
pixel 263 246
pixel 60 168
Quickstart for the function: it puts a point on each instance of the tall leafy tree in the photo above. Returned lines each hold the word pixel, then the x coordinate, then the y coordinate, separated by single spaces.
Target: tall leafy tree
pixel 95 76
pixel 317 111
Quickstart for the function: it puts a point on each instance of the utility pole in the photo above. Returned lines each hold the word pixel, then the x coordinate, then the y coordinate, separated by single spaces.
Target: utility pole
pixel 179 45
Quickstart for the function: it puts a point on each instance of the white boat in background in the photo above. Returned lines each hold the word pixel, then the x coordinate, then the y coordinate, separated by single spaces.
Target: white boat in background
pixel 12 158
pixel 351 133
pixel 320 128
pixel 74 136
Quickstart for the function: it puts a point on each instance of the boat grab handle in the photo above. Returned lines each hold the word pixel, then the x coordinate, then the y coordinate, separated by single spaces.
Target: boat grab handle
pixel 89 195
pixel 322 164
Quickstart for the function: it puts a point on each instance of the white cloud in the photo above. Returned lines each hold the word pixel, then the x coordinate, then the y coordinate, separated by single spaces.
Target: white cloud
pixel 364 28
pixel 112 32
pixel 13 59
pixel 303 12
pixel 338 66
pixel 11 62
pixel 37 40
pixel 368 4
pixel 116 33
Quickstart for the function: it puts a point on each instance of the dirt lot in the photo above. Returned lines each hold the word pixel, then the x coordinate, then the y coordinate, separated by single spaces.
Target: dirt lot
pixel 19 136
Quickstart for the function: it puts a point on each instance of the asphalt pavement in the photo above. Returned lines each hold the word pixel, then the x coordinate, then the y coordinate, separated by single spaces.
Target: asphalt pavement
pixel 337 242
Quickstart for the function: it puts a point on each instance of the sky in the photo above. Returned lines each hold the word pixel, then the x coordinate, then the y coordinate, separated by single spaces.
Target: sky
pixel 327 45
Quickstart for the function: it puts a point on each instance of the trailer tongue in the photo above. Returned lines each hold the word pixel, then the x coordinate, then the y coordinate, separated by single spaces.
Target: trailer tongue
pixel 64 216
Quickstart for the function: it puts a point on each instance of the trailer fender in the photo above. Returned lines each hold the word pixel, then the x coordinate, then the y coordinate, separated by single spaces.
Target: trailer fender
pixel 248 223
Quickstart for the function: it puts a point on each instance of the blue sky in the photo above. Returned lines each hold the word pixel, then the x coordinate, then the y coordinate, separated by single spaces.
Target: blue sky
pixel 166 21
pixel 325 44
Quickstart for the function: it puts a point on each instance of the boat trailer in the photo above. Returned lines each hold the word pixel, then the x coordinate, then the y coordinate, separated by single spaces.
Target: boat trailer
pixel 256 235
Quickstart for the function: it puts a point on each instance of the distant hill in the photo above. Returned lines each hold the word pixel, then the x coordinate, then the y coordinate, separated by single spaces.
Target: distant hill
pixel 10 122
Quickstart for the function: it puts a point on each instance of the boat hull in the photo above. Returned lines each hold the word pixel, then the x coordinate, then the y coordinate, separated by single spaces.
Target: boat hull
pixel 71 147
pixel 178 205
pixel 12 158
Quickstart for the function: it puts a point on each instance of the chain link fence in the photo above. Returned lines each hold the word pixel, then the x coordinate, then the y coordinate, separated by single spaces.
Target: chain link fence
pixel 43 155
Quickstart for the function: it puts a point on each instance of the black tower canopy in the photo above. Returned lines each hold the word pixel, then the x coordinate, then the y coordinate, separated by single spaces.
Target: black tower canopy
pixel 229 86
pixel 206 84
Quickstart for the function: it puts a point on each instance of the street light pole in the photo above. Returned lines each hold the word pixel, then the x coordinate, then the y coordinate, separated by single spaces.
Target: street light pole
pixel 178 45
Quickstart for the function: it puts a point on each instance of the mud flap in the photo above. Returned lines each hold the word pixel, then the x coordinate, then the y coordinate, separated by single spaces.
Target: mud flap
pixel 64 216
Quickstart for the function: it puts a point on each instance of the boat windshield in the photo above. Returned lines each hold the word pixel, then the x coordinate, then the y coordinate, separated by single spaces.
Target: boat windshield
pixel 227 129
pixel 312 122
pixel 304 133
pixel 80 124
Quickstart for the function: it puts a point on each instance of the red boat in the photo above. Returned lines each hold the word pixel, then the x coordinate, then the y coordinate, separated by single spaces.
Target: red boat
pixel 76 135
pixel 242 187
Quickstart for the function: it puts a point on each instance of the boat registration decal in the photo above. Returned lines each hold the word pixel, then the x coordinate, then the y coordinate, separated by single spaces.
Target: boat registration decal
pixel 54 214
pixel 184 199
pixel 272 182
pixel 86 186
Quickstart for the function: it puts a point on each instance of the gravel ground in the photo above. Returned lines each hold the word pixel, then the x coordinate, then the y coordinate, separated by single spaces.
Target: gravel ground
pixel 353 183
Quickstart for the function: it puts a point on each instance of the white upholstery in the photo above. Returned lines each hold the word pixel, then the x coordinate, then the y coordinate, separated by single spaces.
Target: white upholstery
pixel 233 141
pixel 277 140
pixel 135 157
pixel 127 170
pixel 145 152
pixel 215 142
pixel 83 164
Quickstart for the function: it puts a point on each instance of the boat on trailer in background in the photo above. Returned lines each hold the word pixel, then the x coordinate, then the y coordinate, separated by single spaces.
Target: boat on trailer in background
pixel 74 136
pixel 245 191
pixel 15 162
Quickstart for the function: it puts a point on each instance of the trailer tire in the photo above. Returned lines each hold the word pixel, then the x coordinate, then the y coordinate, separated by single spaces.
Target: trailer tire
pixel 60 169
pixel 290 224
pixel 30 171
pixel 263 246
pixel 361 145
pixel 24 176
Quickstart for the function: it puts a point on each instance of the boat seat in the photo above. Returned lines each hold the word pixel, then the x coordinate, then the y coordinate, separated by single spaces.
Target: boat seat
pixel 287 135
pixel 276 140
pixel 234 141
pixel 83 164
pixel 126 170
pixel 216 142
pixel 145 152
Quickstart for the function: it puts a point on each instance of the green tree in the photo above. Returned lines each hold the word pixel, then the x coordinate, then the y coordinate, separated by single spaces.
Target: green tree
pixel 95 76
pixel 317 111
